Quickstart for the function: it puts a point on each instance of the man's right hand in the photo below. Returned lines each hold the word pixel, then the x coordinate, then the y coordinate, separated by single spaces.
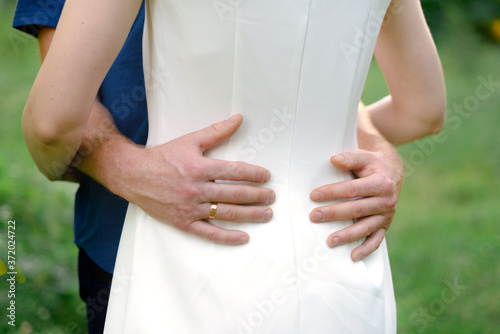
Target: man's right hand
pixel 174 182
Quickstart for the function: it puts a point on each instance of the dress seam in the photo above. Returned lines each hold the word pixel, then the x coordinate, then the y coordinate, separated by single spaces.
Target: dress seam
pixel 233 98
pixel 352 114
pixel 291 154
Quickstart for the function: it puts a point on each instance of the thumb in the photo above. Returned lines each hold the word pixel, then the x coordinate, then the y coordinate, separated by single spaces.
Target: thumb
pixel 354 160
pixel 217 132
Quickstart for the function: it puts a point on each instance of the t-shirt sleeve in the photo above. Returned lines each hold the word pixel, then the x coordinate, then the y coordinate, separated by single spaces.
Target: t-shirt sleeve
pixel 30 15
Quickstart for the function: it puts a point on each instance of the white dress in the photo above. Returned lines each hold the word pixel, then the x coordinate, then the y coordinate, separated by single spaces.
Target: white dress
pixel 295 70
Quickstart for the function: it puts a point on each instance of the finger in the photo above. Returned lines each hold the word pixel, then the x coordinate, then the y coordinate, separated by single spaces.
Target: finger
pixel 367 186
pixel 238 194
pixel 217 234
pixel 236 213
pixel 352 160
pixel 236 171
pixel 349 210
pixel 362 228
pixel 217 132
pixel 370 245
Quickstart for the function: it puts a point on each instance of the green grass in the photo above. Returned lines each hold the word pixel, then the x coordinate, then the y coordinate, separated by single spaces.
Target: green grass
pixel 47 290
pixel 445 228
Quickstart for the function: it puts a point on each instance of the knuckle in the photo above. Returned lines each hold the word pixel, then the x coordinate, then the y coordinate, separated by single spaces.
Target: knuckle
pixel 230 214
pixel 238 196
pixel 189 191
pixel 329 214
pixel 378 184
pixel 357 211
pixel 346 236
pixel 211 235
pixel 348 156
pixel 215 128
pixel 368 229
pixel 226 237
pixel 194 169
pixel 183 210
pixel 390 203
pixel 236 170
pixel 387 185
pixel 352 191
pixel 209 192
pixel 393 201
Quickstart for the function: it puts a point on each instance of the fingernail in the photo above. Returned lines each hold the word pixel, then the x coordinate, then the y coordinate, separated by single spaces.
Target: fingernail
pixel 318 215
pixel 339 158
pixel 268 214
pixel 233 118
pixel 244 239
pixel 335 241
pixel 317 196
pixel 267 176
pixel 271 198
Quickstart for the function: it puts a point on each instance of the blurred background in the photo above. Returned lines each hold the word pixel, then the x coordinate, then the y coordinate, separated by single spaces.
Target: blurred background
pixel 444 242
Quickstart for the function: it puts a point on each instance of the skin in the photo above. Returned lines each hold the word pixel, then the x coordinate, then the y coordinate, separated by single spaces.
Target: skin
pixel 379 176
pixel 179 187
pixel 409 60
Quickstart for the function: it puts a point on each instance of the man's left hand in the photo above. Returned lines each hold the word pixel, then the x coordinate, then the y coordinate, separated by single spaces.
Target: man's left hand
pixel 376 189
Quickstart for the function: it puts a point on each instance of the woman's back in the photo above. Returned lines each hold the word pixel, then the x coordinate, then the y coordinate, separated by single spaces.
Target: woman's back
pixel 295 70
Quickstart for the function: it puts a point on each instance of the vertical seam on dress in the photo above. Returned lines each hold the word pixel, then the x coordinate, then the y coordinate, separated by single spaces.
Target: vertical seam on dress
pixel 291 153
pixel 229 154
pixel 352 114
pixel 234 60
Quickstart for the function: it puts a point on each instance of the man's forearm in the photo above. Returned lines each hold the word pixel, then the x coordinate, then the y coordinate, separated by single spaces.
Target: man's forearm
pixel 97 156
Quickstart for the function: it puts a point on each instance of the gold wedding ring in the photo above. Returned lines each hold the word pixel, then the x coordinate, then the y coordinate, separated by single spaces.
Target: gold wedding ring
pixel 213 211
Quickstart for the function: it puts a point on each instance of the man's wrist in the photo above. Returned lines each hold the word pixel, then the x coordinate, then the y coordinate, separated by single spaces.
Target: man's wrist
pixel 107 163
pixel 123 164
pixel 103 149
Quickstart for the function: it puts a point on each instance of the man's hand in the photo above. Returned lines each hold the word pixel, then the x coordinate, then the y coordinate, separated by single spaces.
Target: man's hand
pixel 174 182
pixel 378 184
pixel 375 192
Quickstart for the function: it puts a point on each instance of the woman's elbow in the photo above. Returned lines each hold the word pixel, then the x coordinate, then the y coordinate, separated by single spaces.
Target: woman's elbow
pixel 47 130
pixel 39 132
pixel 44 140
pixel 435 114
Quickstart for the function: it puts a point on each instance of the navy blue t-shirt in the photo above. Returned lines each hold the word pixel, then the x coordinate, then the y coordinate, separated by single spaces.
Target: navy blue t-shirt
pixel 99 214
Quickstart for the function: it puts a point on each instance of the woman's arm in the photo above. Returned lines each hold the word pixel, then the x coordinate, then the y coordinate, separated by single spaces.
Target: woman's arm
pixel 408 58
pixel 88 38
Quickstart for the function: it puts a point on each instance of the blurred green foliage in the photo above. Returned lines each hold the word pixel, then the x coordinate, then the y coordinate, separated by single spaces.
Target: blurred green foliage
pixel 47 291
pixel 480 16
pixel 445 228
